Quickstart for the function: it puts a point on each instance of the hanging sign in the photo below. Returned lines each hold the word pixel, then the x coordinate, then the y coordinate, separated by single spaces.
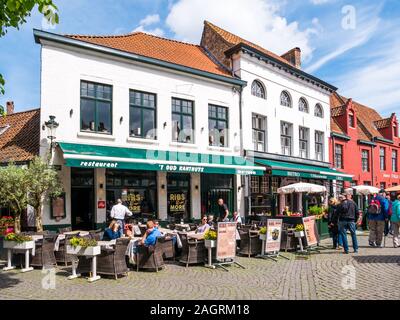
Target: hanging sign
pixel 226 240
pixel 311 231
pixel 273 236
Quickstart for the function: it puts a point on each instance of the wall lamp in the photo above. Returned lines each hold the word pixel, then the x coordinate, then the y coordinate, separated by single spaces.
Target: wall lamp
pixel 163 186
pixel 71 112
pixel 121 120
pixel 51 126
pixel 165 125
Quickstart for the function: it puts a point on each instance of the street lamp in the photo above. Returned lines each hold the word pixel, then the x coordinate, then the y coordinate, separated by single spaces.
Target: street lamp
pixel 51 126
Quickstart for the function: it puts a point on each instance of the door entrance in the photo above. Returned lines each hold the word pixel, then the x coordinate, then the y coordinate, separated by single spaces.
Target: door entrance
pixel 178 196
pixel 214 187
pixel 82 199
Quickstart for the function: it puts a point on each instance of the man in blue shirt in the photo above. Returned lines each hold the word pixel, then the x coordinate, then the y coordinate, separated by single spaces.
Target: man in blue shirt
pixel 376 221
pixel 152 233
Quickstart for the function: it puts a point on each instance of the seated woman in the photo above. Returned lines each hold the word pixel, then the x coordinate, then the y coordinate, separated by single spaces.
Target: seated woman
pixel 112 232
pixel 210 220
pixel 151 235
pixel 204 226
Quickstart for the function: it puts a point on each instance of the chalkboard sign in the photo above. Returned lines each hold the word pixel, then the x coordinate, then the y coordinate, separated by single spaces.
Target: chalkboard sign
pixel 273 236
pixel 311 231
pixel 226 240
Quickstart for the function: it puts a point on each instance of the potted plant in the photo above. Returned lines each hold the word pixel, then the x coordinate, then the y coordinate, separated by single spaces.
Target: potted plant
pixel 83 247
pixel 18 242
pixel 299 231
pixel 210 239
pixel 263 233
pixel 6 225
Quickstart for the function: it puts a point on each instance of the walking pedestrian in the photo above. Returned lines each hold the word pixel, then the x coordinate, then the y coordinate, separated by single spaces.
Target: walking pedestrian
pixel 377 215
pixel 390 210
pixel 118 212
pixel 333 224
pixel 347 215
pixel 395 220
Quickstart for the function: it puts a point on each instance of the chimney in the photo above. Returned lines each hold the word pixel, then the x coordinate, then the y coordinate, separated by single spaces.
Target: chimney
pixel 10 107
pixel 293 57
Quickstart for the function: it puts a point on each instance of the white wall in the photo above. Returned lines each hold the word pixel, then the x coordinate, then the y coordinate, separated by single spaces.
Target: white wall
pixel 276 81
pixel 62 70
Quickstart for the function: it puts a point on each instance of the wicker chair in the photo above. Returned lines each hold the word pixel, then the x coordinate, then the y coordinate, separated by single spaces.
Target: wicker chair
pixel 250 244
pixel 44 252
pixel 168 248
pixel 150 260
pixel 142 230
pixel 113 261
pixel 96 234
pixel 61 254
pixel 193 251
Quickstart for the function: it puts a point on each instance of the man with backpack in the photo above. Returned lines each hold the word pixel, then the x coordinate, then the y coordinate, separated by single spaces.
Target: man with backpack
pixel 347 216
pixel 377 216
pixel 395 220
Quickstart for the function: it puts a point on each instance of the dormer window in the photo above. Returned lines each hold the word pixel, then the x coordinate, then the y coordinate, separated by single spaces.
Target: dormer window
pixel 258 90
pixel 3 129
pixel 351 120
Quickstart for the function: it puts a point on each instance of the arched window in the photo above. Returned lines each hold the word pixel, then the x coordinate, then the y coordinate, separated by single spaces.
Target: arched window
pixel 319 111
pixel 303 105
pixel 286 101
pixel 258 90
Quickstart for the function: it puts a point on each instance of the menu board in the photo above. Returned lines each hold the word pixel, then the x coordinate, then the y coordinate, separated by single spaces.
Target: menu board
pixel 226 240
pixel 134 201
pixel 311 231
pixel 273 236
pixel 177 203
pixel 58 207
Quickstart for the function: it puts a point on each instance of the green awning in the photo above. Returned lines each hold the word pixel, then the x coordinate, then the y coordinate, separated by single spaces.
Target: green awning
pixel 287 169
pixel 92 156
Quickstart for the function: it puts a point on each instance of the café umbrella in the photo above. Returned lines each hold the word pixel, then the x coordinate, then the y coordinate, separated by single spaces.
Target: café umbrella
pixel 363 190
pixel 302 188
pixel 393 189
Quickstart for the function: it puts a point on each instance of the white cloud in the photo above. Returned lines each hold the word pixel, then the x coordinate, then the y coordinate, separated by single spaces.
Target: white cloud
pixel 334 42
pixel 258 21
pixel 375 82
pixel 317 2
pixel 149 21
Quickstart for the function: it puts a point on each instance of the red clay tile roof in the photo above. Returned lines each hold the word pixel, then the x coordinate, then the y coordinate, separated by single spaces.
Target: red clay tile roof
pixel 336 128
pixel 339 111
pixel 234 40
pixel 180 53
pixel 21 141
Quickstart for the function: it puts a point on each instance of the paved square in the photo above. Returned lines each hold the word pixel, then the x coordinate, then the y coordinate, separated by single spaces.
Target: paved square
pixel 321 277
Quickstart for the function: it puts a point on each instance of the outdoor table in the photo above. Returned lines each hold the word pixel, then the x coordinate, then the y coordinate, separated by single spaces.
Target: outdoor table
pixel 197 236
pixel 26 246
pixel 73 233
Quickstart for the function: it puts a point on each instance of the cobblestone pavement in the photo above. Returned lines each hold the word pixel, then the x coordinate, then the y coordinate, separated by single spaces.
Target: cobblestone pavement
pixel 320 276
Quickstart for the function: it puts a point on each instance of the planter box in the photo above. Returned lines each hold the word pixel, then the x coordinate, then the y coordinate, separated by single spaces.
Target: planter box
pixel 323 229
pixel 263 237
pixel 299 234
pixel 18 246
pixel 79 251
pixel 210 243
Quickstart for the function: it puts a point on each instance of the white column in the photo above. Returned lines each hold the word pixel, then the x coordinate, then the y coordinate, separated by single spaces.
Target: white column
pixel 240 195
pixel 195 196
pixel 100 194
pixel 162 195
pixel 300 202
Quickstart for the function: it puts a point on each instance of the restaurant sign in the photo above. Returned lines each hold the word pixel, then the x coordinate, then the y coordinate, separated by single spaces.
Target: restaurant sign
pixel 311 231
pixel 226 241
pixel 274 235
pixel 177 203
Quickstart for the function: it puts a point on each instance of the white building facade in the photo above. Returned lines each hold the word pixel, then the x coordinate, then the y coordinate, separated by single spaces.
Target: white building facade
pixel 164 137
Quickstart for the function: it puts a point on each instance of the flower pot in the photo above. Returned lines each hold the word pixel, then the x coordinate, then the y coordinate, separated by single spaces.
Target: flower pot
pixel 18 246
pixel 299 234
pixel 80 251
pixel 210 243
pixel 263 237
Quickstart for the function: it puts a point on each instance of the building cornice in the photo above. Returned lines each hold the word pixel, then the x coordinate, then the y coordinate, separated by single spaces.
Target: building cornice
pixel 281 65
pixel 43 35
pixel 365 142
pixel 340 136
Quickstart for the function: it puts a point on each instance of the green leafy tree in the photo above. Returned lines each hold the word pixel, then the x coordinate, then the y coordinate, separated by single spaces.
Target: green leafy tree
pixel 44 184
pixel 14 191
pixel 13 13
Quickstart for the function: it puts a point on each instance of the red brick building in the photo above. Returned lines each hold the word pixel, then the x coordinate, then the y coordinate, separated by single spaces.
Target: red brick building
pixel 364 144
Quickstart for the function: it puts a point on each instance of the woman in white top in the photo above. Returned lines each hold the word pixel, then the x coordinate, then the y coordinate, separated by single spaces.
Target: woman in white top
pixel 204 226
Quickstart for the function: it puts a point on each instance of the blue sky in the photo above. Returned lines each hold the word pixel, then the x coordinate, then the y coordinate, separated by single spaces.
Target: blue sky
pixel 352 44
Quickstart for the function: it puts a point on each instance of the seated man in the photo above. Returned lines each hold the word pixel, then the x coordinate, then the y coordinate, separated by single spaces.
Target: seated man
pixel 112 232
pixel 151 235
